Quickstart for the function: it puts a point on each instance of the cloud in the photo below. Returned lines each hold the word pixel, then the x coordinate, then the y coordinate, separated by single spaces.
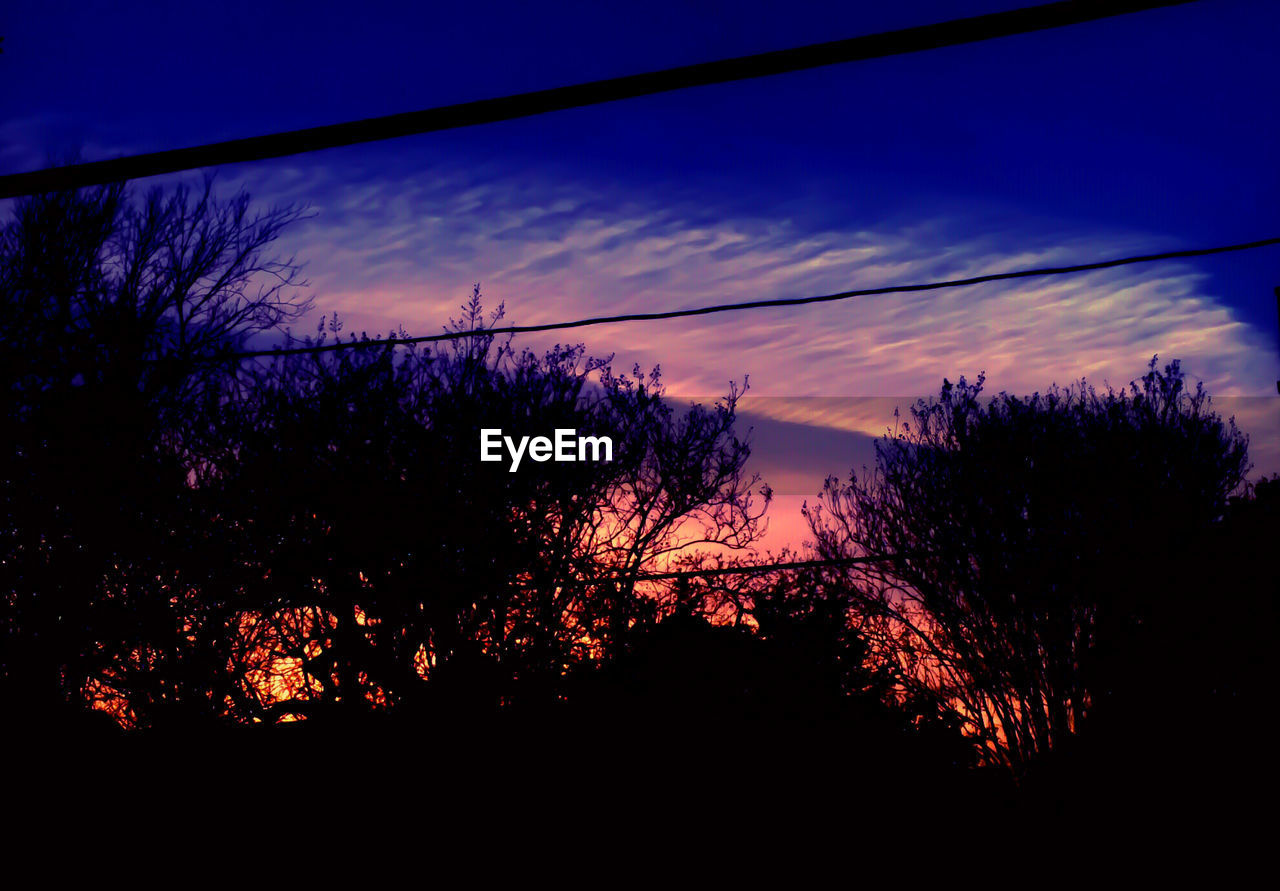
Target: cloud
pixel 402 245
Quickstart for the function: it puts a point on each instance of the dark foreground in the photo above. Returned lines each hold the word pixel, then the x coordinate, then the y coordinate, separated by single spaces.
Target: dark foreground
pixel 741 777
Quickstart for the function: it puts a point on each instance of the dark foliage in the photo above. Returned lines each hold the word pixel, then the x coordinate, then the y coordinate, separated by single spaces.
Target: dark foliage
pixel 107 301
pixel 192 545
pixel 198 549
pixel 1038 554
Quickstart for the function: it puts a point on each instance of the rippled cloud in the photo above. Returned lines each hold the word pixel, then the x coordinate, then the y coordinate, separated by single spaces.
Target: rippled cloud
pixel 403 248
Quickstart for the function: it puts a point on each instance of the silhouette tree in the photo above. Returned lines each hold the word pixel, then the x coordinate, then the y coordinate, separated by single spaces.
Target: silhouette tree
pixel 347 553
pixel 107 301
pixel 783 653
pixel 1030 548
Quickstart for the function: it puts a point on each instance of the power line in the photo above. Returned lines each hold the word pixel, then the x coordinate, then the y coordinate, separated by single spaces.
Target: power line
pixel 746 569
pixel 466 114
pixel 753 304
pixel 754 568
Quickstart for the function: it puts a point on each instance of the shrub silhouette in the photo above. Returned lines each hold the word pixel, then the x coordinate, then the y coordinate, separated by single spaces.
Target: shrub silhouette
pixel 107 300
pixel 191 544
pixel 1032 548
pixel 390 568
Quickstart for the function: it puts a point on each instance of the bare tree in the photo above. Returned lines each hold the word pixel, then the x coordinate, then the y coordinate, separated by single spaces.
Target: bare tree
pixel 109 300
pixel 349 553
pixel 1019 546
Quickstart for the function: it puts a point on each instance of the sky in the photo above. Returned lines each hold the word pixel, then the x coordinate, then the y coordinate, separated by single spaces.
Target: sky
pixel 1143 133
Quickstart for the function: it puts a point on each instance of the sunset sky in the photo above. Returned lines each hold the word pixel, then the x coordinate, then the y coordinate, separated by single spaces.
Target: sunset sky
pixel 1149 132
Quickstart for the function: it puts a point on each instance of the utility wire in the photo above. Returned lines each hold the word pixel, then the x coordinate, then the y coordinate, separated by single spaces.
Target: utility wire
pixel 870 46
pixel 747 569
pixel 750 569
pixel 753 304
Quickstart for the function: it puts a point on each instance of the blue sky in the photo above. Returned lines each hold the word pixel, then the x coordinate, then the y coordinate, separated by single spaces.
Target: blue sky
pixel 1147 132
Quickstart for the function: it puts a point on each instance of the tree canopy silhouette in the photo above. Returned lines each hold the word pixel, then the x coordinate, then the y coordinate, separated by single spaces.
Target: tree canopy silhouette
pixel 107 297
pixel 368 560
pixel 1032 546
pixel 190 543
